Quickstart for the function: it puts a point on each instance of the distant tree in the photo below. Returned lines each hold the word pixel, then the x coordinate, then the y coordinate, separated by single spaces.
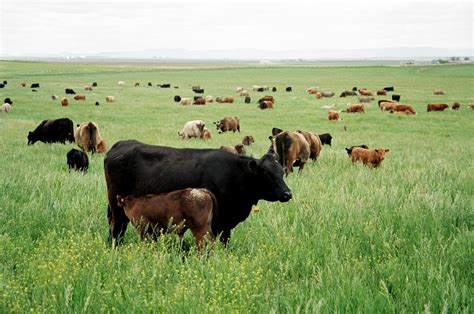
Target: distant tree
pixel 467 58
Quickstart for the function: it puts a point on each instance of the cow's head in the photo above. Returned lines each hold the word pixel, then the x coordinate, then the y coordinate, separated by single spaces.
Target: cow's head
pixel 381 153
pixel 269 174
pixel 31 138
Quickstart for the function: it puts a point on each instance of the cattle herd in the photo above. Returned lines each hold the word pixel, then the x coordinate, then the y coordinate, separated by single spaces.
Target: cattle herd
pixel 208 191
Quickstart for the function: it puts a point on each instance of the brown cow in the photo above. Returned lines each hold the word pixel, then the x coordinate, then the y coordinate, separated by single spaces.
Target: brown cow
pixel 355 108
pixel 80 97
pixel 110 98
pixel 407 109
pixel 319 95
pixel 206 134
pixel 209 99
pixel 381 92
pixel 471 106
pixel 292 149
pixel 87 136
pixel 227 99
pixel 267 98
pixel 456 106
pixel 315 145
pixel 54 97
pixel 388 105
pixel 265 105
pixel 174 211
pixel 137 84
pixel 438 92
pixel 199 101
pixel 64 101
pixel 312 90
pixel 237 149
pixel 349 150
pixel 228 124
pixel 247 140
pixel 101 146
pixel 436 107
pixel 334 115
pixel 365 92
pixel 369 157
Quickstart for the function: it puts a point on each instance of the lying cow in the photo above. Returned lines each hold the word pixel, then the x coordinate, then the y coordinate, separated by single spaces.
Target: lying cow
pixel 288 89
pixel 69 91
pixel 53 131
pixel 154 213
pixel 64 102
pixel 369 157
pixel 237 149
pixel 177 98
pixel 312 90
pixel 228 124
pixel 199 101
pixel 209 99
pixel 227 99
pixel 248 99
pixel 192 129
pixel 77 160
pixel 389 88
pixel 292 149
pixel 87 136
pixel 266 98
pixel 327 94
pixel 365 92
pixel 388 106
pixel 381 92
pixel 366 99
pixel 436 107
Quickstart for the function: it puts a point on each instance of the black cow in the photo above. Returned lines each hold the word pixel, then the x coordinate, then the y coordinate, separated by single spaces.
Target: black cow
pixel 260 89
pixel 8 101
pixel 94 84
pixel 177 98
pixel 2 85
pixel 52 131
pixel 70 91
pixel 396 97
pixel 35 85
pixel 97 103
pixel 389 89
pixel 5 82
pixel 165 85
pixel 274 89
pixel 349 150
pixel 248 99
pixel 276 131
pixel 325 138
pixel 149 84
pixel 199 91
pixel 77 160
pixel 348 93
pixel 289 89
pixel 238 182
pixel 354 89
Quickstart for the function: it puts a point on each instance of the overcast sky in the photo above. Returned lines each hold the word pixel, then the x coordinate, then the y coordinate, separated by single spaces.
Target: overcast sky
pixel 36 27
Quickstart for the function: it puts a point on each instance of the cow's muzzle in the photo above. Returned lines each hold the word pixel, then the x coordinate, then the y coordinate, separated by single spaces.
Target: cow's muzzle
pixel 286 196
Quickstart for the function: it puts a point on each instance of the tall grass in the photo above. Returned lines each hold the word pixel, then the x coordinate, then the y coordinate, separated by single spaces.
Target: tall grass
pixel 353 239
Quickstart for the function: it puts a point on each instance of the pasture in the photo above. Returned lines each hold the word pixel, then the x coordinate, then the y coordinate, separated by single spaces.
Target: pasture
pixel 352 239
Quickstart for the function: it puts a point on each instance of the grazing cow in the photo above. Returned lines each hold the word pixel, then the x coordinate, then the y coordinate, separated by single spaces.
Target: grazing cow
pixel 438 92
pixel 192 129
pixel 87 136
pixel 405 109
pixel 209 99
pixel 388 106
pixel 248 99
pixel 366 99
pixel 274 89
pixel 237 149
pixel 80 97
pixel 354 89
pixel 206 134
pixel 365 92
pixel 396 97
pixel 314 142
pixel 35 85
pixel 6 107
pixel 137 84
pixel 327 94
pixel 8 101
pixel 228 124
pixel 52 131
pixel 89 88
pixel 355 108
pixel 110 98
pixel 97 103
pixel 238 182
pixel 186 101
pixel 436 107
pixel 70 91
pixel 149 84
pixel 349 150
pixel 177 98
pixel 334 116
pixel 329 107
pixel 94 84
pixel 77 160
pixel 175 211
pixel 455 106
pixel 389 89
pixel 101 146
pixel 289 89
pixel 381 92
pixel 292 150
pixel 64 101
pixel 248 140
pixel 369 157
pixel 244 93
pixel 265 105
pixel 167 85
pixel 121 83
pixel 312 90
pixel 348 93
pixel 276 131
pixel 199 101
pixel 239 89
pixel 325 138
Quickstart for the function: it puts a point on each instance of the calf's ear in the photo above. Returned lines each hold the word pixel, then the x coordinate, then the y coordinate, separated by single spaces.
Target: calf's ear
pixel 253 165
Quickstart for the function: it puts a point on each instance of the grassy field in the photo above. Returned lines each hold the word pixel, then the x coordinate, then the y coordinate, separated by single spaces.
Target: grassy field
pixel 353 239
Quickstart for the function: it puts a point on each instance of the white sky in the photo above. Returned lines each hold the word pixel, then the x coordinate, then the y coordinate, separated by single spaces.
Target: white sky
pixel 91 26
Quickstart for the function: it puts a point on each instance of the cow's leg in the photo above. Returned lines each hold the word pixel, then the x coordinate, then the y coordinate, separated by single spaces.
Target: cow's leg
pixel 117 226
pixel 301 167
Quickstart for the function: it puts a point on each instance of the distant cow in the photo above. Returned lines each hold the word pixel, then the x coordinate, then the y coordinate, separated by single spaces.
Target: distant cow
pixel 274 89
pixel 314 142
pixel 149 84
pixel 334 115
pixel 436 107
pixel 110 98
pixel 355 108
pixel 227 99
pixel 289 89
pixel 7 100
pixel 329 107
pixel 237 149
pixel 348 93
pixel 52 131
pixel 248 140
pixel 64 101
pixel 89 88
pixel 199 101
pixel 366 99
pixel 327 94
pixel 405 109
pixel 456 106
pixel 69 91
pixel 228 124
pixel 186 101
pixel 369 157
pixel 35 85
pixel 94 84
pixel 199 91
pixel 244 93
pixel 438 92
pixel 209 99
pixel 77 160
pixel 87 136
pixel 137 84
pixel 6 107
pixel 389 88
pixel 383 100
pixel 80 97
pixel 177 98
pixel 121 83
pixel 312 90
pixel 381 92
pixel 22 84
pixel 175 211
pixel 239 89
pixel 349 150
pixel 396 97
pixel 325 138
pixel 192 129
pixel 292 150
pixel 97 103
pixel 388 106
pixel 365 92
pixel 166 85
pixel 266 98
pixel 471 106
pixel 248 99
pixel 265 105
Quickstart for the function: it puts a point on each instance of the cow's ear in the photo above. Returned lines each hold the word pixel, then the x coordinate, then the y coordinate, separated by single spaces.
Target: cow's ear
pixel 253 166
pixel 270 138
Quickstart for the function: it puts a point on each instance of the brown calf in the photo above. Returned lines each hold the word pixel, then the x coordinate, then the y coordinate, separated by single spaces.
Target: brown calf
pixel 228 124
pixel 334 115
pixel 237 149
pixel 456 106
pixel 247 140
pixel 182 209
pixel 369 157
pixel 365 92
pixel 382 92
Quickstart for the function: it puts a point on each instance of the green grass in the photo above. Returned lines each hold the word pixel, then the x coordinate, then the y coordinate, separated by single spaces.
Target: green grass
pixel 353 239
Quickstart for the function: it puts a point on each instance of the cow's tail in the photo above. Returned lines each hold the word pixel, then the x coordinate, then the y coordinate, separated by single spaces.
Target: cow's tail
pixel 214 215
